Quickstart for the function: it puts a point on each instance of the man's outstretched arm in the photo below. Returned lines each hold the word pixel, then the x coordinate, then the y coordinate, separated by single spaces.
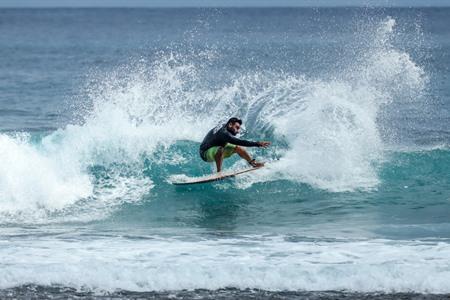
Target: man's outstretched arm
pixel 245 143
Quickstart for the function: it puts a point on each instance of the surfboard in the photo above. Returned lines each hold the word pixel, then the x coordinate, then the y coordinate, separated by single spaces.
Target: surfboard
pixel 185 180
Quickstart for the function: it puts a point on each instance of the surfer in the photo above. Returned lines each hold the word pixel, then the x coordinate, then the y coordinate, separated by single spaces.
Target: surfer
pixel 220 143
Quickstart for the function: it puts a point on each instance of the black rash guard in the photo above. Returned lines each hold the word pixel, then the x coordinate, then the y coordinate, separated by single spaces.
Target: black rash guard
pixel 220 136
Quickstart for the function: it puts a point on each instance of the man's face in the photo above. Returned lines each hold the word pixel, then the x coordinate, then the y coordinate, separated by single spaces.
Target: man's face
pixel 234 128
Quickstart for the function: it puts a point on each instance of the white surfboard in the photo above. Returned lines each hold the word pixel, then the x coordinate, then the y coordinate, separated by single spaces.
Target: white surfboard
pixel 185 180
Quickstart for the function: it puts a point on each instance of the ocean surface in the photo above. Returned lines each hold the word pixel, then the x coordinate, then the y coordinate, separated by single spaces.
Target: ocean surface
pixel 100 107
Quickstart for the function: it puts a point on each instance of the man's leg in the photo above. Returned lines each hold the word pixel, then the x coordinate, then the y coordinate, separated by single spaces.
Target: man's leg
pixel 219 158
pixel 244 154
pixel 227 151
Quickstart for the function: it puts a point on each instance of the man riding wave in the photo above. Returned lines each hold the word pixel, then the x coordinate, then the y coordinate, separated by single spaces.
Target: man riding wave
pixel 221 142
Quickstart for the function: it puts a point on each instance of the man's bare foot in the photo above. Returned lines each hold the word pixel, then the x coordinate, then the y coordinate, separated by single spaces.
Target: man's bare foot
pixel 256 164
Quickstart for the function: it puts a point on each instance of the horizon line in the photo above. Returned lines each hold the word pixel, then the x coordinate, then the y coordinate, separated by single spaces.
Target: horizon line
pixel 219 3
pixel 223 6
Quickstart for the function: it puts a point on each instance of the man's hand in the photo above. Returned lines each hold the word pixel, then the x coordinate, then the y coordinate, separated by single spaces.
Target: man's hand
pixel 263 144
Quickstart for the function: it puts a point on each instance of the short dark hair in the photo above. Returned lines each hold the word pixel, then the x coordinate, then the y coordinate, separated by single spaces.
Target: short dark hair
pixel 234 120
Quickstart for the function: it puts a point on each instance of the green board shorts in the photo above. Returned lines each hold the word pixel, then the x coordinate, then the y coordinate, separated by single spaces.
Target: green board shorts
pixel 228 150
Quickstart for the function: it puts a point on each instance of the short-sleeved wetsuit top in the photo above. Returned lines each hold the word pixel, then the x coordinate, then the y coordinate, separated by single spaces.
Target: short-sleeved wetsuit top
pixel 220 136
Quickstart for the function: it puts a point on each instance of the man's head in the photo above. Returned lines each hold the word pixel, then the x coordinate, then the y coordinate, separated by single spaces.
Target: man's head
pixel 234 125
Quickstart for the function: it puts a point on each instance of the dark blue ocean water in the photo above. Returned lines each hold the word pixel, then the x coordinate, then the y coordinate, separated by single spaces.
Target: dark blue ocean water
pixel 101 107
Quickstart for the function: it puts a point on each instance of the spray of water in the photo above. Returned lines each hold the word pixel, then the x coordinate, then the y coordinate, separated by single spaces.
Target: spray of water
pixel 325 130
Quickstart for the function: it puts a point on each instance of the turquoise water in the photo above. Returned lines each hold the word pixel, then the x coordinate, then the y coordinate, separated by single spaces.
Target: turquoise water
pixel 101 106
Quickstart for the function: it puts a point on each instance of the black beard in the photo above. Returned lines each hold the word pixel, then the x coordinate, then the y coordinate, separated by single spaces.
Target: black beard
pixel 231 131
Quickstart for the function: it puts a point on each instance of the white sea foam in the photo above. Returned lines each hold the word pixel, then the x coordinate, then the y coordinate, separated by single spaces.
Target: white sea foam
pixel 331 126
pixel 37 181
pixel 253 262
pixel 31 180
